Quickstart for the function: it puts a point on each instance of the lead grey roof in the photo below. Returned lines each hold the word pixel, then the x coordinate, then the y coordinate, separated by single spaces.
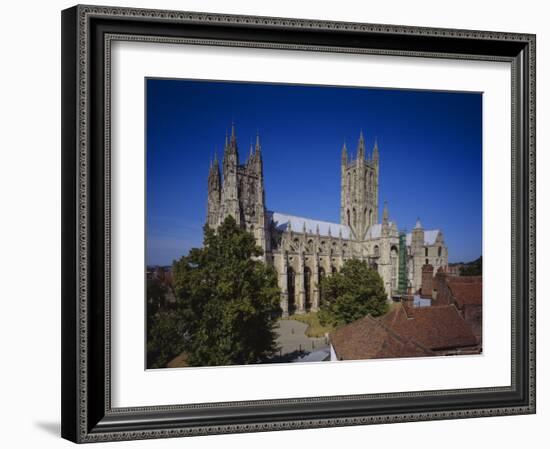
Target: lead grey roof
pixel 430 237
pixel 281 221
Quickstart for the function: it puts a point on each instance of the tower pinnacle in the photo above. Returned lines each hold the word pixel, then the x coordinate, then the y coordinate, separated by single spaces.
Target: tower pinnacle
pixel 361 147
pixel 344 154
pixel 258 146
pixel 375 154
pixel 233 137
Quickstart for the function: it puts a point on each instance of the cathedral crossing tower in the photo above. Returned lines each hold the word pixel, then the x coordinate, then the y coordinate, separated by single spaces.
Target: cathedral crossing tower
pixel 359 189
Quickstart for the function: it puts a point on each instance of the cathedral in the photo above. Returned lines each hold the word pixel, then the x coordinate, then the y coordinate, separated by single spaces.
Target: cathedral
pixel 304 250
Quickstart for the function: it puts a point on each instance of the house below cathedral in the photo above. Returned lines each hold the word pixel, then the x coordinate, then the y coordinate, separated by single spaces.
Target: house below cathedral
pixel 303 250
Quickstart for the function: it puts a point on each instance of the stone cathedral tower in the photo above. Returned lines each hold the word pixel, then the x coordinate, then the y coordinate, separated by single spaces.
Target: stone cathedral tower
pixel 359 189
pixel 240 191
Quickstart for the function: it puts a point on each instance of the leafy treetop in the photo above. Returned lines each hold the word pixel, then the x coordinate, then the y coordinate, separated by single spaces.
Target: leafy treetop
pixel 354 292
pixel 227 299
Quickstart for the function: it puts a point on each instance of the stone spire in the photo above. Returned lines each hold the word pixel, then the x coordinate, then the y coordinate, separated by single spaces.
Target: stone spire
pixel 215 166
pixel 258 146
pixel 418 225
pixel 231 155
pixel 258 150
pixel 361 147
pixel 214 192
pixel 344 154
pixel 375 154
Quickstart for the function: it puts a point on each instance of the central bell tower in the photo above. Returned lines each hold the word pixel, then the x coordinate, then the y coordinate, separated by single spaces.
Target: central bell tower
pixel 359 189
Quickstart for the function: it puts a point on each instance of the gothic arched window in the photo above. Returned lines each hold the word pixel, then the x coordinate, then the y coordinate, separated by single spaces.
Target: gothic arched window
pixel 426 252
pixel 376 251
pixel 439 252
pixel 354 217
pixel 349 223
pixel 370 217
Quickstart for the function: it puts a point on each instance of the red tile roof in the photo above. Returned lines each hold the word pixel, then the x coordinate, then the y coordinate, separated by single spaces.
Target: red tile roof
pixel 436 327
pixel 369 338
pixel 466 292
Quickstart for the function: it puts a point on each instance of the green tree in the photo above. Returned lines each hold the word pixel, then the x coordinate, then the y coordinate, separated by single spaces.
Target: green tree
pixel 156 298
pixel 227 300
pixel 165 338
pixel 354 292
pixel 162 341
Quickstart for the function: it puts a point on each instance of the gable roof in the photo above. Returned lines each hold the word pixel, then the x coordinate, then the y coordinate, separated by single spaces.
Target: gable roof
pixel 436 327
pixel 369 338
pixel 430 236
pixel 281 221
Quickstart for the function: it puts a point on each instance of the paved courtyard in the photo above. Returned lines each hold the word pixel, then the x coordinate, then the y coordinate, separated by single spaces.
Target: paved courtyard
pixel 294 343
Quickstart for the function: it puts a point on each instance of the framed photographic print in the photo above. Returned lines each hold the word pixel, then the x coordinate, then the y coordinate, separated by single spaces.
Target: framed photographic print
pixel 277 224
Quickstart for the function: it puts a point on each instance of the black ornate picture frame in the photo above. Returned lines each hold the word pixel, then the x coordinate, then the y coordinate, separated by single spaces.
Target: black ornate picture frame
pixel 87 34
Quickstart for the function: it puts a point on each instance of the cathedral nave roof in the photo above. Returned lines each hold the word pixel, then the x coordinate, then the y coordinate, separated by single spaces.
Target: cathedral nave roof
pixel 281 222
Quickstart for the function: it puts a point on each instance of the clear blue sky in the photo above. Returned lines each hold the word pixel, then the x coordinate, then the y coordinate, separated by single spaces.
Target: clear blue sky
pixel 430 155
